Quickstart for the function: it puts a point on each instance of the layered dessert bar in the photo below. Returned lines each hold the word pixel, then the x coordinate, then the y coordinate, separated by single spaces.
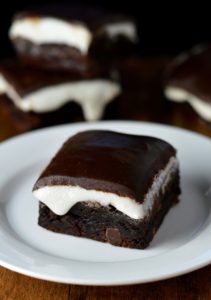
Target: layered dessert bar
pixel 71 36
pixel 42 92
pixel 110 187
pixel 188 80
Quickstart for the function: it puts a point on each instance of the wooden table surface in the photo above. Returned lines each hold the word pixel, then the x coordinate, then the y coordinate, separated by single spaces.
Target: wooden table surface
pixel 196 285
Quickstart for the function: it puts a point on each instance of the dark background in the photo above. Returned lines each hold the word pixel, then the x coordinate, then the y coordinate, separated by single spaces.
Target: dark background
pixel 164 29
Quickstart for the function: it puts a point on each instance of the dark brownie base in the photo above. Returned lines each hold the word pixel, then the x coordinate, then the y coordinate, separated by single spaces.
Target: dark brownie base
pixel 24 121
pixel 106 224
pixel 66 58
pixel 53 57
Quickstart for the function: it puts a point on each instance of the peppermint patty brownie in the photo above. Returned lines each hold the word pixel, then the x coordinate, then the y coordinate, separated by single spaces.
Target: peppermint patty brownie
pixel 42 92
pixel 188 80
pixel 71 36
pixel 110 187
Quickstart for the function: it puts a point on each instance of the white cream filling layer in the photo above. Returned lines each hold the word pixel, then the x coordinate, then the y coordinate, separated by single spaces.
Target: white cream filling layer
pixel 46 30
pixel 51 30
pixel 127 29
pixel 60 199
pixel 180 95
pixel 91 95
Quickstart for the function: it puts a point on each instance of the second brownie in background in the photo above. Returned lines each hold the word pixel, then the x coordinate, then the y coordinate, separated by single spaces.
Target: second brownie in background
pixel 72 36
pixel 33 90
pixel 68 53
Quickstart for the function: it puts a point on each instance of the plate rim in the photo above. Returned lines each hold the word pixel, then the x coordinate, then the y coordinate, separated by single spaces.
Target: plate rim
pixel 104 122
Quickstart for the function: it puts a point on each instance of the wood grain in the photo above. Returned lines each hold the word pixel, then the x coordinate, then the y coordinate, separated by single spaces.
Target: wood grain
pixel 14 286
pixel 194 286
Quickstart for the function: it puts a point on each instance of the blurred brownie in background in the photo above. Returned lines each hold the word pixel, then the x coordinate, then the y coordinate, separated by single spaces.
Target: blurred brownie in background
pixel 16 121
pixel 104 79
pixel 35 94
pixel 70 36
pixel 188 85
pixel 141 98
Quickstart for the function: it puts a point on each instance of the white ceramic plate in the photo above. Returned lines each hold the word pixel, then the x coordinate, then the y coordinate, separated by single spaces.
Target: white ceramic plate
pixel 182 244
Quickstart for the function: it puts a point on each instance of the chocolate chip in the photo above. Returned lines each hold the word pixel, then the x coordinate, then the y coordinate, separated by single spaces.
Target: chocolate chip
pixel 113 236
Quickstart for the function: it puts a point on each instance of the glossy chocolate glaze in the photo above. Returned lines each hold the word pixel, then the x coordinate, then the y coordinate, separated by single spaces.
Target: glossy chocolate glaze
pixel 192 72
pixel 26 80
pixel 108 161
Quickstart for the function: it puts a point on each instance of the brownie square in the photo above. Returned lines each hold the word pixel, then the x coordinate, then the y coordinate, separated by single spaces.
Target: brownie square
pixel 110 187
